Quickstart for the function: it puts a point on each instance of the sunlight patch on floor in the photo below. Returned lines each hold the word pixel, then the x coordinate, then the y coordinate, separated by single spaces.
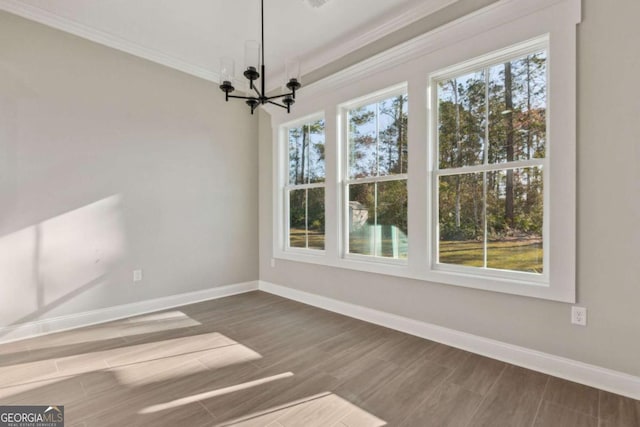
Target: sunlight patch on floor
pixel 323 409
pixel 150 323
pixel 146 324
pixel 213 393
pixel 160 360
pixel 181 366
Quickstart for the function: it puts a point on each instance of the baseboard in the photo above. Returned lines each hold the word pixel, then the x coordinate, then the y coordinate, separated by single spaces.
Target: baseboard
pixel 63 323
pixel 572 370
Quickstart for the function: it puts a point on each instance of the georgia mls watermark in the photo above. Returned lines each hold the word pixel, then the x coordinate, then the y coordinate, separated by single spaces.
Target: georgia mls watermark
pixel 32 416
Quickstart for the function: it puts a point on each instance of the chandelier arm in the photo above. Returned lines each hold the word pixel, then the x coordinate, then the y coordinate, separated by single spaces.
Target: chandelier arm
pixel 279 105
pixel 279 96
pixel 257 91
pixel 242 97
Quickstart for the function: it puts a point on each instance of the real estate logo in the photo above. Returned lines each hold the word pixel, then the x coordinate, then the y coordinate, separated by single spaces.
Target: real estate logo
pixel 32 416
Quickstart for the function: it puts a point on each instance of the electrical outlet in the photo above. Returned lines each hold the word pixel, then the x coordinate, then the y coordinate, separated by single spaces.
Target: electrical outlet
pixel 273 262
pixel 579 316
pixel 137 275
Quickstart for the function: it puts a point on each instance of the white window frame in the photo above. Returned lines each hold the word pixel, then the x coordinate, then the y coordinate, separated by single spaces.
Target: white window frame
pixel 287 188
pixel 494 28
pixel 346 181
pixel 495 58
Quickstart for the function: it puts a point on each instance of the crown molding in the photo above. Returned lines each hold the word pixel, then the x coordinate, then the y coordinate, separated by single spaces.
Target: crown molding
pixel 324 56
pixel 418 45
pixel 465 27
pixel 408 17
pixel 47 18
pixel 494 15
pixel 312 62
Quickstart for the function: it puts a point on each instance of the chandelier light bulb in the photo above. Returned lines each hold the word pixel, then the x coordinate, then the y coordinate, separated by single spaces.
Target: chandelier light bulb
pixel 292 74
pixel 227 70
pixel 251 55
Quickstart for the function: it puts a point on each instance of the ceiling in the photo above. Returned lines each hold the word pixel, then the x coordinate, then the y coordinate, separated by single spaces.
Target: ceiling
pixel 192 35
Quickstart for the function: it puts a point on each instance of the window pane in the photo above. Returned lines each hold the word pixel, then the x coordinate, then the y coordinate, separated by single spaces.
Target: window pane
pixel 461 220
pixel 517 109
pixel 297 218
pixel 378 138
pixel 391 230
pixel 361 218
pixel 380 231
pixel 315 220
pixel 306 153
pixel 461 120
pixel 316 151
pixel 392 144
pixel 362 141
pixel 514 219
pixel 296 155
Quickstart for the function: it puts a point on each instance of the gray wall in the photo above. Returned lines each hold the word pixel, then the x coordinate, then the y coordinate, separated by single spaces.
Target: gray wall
pixel 109 163
pixel 608 220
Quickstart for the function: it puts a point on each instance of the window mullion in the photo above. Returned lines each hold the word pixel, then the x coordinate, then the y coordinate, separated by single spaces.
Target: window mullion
pixel 486 117
pixel 517 164
pixel 305 131
pixel 375 218
pixel 305 186
pixel 306 218
pixel 372 179
pixel 484 215
pixel 484 174
pixel 377 139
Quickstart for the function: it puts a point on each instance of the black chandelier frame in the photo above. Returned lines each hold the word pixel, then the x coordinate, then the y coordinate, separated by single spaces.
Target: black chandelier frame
pixel 252 74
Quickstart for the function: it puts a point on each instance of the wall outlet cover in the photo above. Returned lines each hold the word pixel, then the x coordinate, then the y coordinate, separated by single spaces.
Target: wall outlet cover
pixel 579 316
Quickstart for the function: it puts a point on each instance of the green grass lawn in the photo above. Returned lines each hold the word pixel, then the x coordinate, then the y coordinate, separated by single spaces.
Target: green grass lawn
pixel 297 238
pixel 514 254
pixel 517 255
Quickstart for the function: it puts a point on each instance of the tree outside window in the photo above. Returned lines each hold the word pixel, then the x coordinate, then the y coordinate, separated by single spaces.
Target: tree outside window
pixel 377 178
pixel 306 186
pixel 491 140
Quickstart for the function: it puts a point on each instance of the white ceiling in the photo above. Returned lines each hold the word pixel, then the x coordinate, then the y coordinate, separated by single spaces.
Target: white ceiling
pixel 192 35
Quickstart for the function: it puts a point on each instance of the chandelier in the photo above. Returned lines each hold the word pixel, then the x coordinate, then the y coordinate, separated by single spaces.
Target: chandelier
pixel 252 62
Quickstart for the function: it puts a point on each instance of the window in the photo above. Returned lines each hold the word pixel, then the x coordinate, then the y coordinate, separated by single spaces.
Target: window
pixel 487 198
pixel 306 185
pixel 376 177
pixel 491 160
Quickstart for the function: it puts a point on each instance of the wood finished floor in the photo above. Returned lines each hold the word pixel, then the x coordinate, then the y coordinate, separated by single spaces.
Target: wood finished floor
pixel 260 360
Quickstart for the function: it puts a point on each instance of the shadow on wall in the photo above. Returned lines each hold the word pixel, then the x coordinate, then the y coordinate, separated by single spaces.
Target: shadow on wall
pixel 50 263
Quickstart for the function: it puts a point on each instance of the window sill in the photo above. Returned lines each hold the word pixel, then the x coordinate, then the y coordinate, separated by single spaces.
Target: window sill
pixel 378 265
pixel 521 284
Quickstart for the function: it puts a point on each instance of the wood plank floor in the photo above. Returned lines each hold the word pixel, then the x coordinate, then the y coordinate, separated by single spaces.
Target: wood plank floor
pixel 260 360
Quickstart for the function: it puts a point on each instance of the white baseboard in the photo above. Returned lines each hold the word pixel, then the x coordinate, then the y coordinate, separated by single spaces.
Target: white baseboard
pixel 63 323
pixel 572 370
